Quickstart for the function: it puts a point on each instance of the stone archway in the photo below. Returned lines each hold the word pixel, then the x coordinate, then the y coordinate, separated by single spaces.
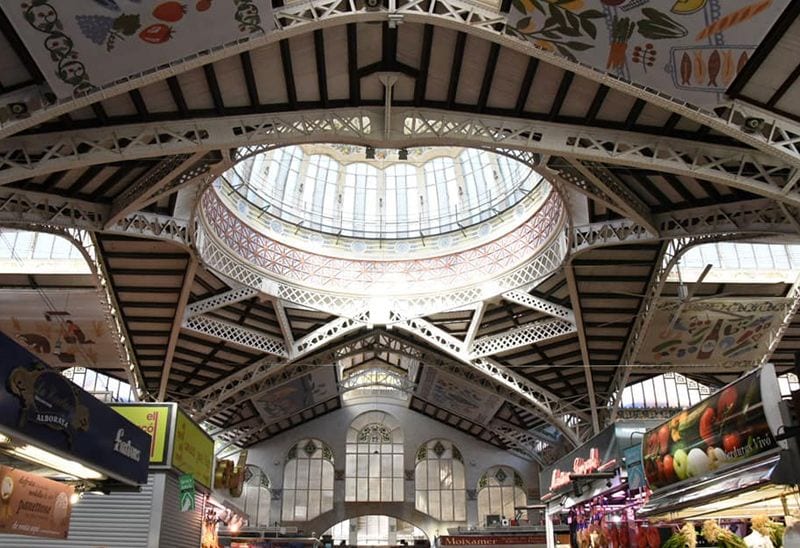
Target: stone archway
pixel 404 511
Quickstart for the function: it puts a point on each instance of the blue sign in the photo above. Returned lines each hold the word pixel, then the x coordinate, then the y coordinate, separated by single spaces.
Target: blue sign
pixel 47 409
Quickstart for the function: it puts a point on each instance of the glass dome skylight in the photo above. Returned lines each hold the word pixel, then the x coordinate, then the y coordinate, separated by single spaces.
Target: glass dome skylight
pixel 336 190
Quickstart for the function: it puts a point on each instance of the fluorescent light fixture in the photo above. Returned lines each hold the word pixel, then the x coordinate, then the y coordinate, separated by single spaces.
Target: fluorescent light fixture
pixel 51 460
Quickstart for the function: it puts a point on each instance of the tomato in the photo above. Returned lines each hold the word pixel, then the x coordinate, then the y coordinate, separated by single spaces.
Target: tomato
pixel 669 469
pixel 170 11
pixel 157 33
pixel 731 442
pixel 707 423
pixel 663 438
pixel 726 402
pixel 202 5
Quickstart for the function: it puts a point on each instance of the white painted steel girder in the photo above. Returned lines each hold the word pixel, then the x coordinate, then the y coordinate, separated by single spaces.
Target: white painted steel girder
pixel 304 17
pixel 215 302
pixel 540 305
pixel 523 335
pixel 739 167
pixel 237 334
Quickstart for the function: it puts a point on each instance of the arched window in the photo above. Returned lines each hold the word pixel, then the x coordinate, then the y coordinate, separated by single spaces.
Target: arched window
pixel 439 477
pixel 500 490
pixel 374 467
pixel 307 480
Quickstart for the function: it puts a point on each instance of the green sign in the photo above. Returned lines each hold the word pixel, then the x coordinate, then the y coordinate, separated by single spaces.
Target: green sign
pixel 186 485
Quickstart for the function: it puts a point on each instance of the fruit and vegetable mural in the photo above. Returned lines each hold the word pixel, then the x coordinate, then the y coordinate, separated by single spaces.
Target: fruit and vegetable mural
pixel 721 332
pixel 722 430
pixel 690 49
pixel 82 45
pixel 69 331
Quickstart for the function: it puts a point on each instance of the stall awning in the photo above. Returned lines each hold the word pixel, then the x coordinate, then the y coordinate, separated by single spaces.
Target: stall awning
pixel 733 493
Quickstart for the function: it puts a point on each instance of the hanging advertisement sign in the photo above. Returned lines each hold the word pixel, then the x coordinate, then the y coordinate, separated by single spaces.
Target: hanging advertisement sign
pixel 194 450
pixel 42 407
pixel 599 454
pixel 33 505
pixel 719 332
pixel 492 540
pixel 156 420
pixel 82 46
pixel 727 429
pixel 187 492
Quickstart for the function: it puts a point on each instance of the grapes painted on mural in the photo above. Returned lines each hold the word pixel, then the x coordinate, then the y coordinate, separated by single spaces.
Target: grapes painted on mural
pixel 82 46
pixel 691 49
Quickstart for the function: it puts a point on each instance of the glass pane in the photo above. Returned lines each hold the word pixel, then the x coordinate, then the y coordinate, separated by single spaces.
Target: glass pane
pixel 398 489
pixel 374 489
pixel 421 476
pixel 422 501
pixel 447 505
pixel 350 489
pixel 327 475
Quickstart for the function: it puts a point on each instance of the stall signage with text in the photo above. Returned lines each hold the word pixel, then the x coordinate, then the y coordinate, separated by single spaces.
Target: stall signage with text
pixel 46 409
pixel 32 505
pixel 598 455
pixel 491 540
pixel 153 419
pixel 721 431
pixel 194 450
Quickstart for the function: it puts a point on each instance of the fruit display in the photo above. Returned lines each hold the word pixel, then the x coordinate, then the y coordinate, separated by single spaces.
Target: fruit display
pixel 719 431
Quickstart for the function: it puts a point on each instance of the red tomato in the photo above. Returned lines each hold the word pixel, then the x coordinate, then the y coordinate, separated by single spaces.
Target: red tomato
pixel 169 11
pixel 663 438
pixel 707 423
pixel 202 5
pixel 726 402
pixel 157 33
pixel 731 442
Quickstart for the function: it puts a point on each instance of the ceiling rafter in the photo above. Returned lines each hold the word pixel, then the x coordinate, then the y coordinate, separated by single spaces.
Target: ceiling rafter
pixel 176 321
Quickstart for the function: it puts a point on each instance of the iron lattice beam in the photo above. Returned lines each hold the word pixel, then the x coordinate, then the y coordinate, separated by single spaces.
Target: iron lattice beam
pixel 738 167
pixel 523 335
pixel 486 23
pixel 237 334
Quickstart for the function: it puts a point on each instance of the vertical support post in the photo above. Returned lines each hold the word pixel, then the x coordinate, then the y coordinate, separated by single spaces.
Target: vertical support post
pixel 548 529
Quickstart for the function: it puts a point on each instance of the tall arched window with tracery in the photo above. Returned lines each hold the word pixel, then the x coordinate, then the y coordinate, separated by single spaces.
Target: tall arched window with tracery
pixel 500 490
pixel 307 480
pixel 439 477
pixel 374 466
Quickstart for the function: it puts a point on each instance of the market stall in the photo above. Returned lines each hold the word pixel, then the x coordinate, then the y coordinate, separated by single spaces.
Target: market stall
pixel 727 458
pixel 589 489
pixel 58 442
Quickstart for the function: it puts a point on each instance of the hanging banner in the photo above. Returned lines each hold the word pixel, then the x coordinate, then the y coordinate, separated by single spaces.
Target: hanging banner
pixel 187 493
pixel 727 429
pixel 82 46
pixel 32 505
pixel 719 332
pixel 194 450
pixel 156 420
pixel 689 49
pixel 44 408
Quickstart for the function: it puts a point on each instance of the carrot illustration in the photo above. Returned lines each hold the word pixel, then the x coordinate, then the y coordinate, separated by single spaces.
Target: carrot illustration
pixel 621 32
pixel 727 67
pixel 699 67
pixel 733 19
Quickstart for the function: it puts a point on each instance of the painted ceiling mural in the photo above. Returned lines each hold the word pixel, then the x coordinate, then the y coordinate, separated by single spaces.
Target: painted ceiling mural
pixel 83 45
pixel 63 328
pixel 690 49
pixel 458 396
pixel 297 395
pixel 721 332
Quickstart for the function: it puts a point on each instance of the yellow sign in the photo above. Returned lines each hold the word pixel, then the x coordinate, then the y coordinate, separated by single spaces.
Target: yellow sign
pixel 155 420
pixel 194 450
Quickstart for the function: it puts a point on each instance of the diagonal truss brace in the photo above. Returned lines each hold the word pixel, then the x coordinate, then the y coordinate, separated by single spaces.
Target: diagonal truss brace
pixel 215 302
pixel 237 334
pixel 540 305
pixel 523 335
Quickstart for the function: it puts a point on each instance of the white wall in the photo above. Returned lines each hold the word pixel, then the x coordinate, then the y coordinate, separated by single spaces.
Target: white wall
pixel 417 429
